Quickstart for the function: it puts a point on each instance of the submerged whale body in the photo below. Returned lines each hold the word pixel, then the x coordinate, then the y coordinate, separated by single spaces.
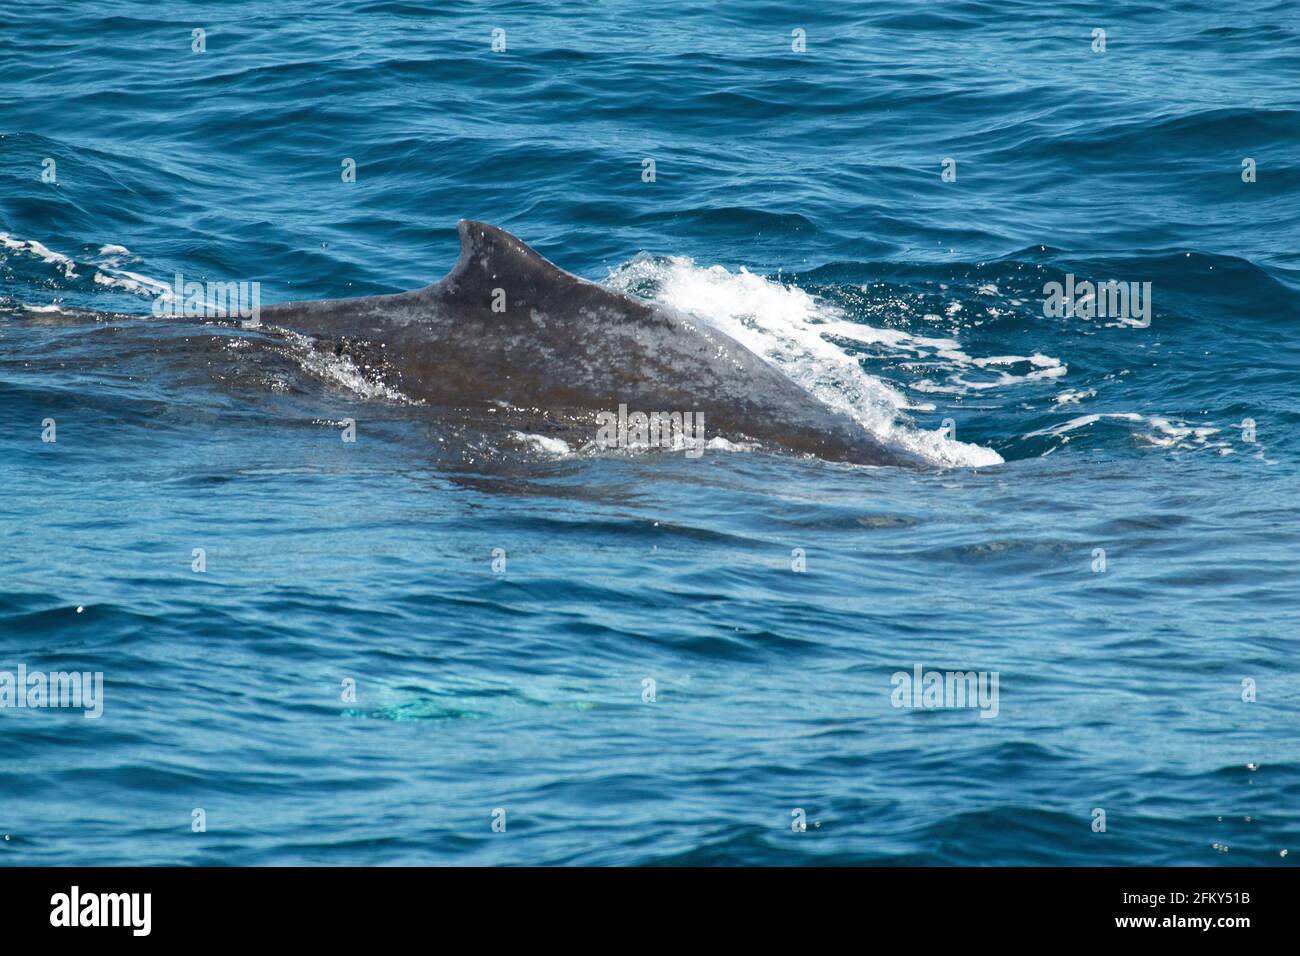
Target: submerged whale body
pixel 508 336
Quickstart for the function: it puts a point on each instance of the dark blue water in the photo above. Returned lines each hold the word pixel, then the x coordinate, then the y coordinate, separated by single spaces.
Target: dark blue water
pixel 798 202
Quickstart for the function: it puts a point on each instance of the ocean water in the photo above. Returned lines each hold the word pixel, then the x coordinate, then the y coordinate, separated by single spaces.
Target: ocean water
pixel 1110 524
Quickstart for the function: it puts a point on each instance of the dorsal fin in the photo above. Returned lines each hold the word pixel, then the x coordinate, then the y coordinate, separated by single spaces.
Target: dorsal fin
pixel 493 257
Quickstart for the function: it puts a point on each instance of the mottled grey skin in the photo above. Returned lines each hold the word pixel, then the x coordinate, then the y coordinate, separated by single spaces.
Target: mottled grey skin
pixel 565 349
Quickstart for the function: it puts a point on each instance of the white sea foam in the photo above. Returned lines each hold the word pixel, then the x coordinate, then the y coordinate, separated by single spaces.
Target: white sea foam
pixel 32 247
pixel 789 327
pixel 1073 396
pixel 1154 430
pixel 340 370
pixel 133 282
pixel 718 443
pixel 107 271
pixel 544 444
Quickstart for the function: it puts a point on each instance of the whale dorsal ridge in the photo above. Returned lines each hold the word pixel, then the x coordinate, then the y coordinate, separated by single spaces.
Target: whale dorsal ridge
pixel 491 257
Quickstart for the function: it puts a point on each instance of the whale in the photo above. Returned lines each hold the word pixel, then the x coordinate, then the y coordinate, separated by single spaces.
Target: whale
pixel 508 337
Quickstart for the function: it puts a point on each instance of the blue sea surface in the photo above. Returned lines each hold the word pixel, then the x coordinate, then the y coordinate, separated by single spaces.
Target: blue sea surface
pixel 651 659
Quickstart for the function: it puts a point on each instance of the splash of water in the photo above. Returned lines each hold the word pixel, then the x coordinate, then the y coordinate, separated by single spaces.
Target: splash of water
pixel 788 327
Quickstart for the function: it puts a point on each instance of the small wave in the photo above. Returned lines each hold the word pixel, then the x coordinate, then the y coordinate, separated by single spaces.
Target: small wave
pixel 1161 432
pixel 134 282
pixel 106 266
pixel 949 351
pixel 46 255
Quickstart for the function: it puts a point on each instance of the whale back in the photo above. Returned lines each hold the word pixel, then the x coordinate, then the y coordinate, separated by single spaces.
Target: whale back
pixel 508 329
